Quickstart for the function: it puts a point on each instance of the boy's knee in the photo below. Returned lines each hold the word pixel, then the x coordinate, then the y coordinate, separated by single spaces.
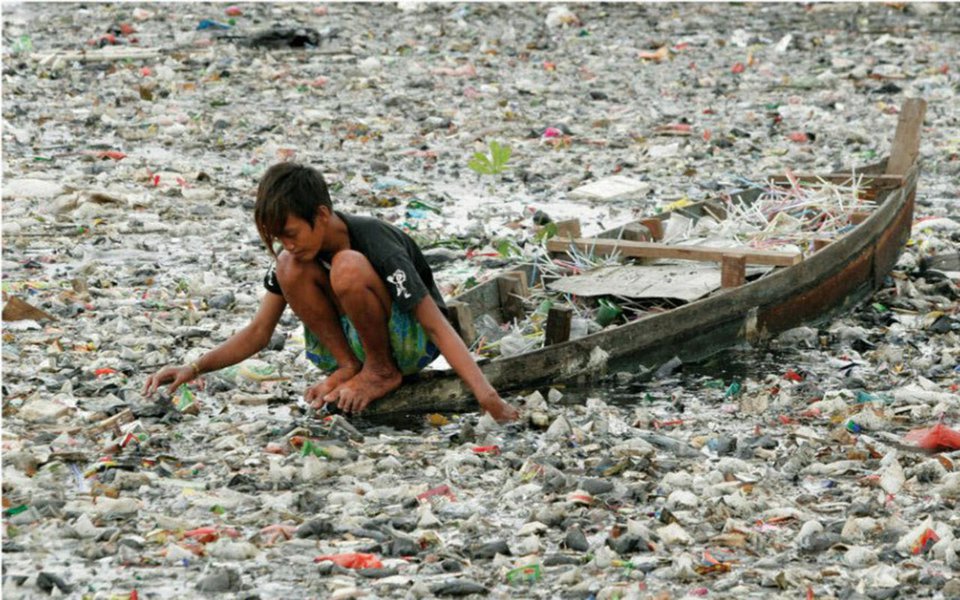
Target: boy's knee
pixel 349 270
pixel 288 269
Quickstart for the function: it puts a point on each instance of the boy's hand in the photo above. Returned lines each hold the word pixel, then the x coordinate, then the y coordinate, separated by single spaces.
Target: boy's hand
pixel 178 375
pixel 498 409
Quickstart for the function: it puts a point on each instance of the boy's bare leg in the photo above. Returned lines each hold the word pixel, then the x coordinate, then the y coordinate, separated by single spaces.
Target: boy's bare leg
pixel 306 288
pixel 365 299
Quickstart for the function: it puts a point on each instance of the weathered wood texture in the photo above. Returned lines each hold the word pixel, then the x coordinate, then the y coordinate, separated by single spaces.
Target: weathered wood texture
pixel 513 289
pixel 558 325
pixel 655 227
pixel 906 141
pixel 733 271
pixel 569 228
pixel 655 250
pixel 461 317
pixel 882 182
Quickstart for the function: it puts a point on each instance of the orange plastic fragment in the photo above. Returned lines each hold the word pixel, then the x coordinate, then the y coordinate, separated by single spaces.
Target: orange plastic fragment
pixel 661 53
pixel 205 535
pixel 352 560
pixel 927 539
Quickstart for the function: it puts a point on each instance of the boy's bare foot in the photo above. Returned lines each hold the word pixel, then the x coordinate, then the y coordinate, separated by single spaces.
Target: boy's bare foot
pixel 316 394
pixel 498 409
pixel 369 385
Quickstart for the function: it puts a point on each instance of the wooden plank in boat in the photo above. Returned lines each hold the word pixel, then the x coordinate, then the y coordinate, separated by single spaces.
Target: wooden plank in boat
pixel 733 271
pixel 558 325
pixel 461 317
pixel 882 182
pixel 686 252
pixel 686 282
pixel 569 228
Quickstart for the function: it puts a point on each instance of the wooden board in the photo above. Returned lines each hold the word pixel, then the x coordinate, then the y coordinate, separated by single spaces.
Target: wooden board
pixel 687 252
pixel 882 182
pixel 685 282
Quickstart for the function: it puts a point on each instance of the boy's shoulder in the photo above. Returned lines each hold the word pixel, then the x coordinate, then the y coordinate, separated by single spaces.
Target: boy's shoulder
pixel 361 225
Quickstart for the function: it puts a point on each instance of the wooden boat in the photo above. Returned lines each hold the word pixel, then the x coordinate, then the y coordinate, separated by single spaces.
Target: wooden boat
pixel 799 290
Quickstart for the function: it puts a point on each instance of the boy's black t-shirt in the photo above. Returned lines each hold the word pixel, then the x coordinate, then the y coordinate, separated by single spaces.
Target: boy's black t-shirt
pixel 393 254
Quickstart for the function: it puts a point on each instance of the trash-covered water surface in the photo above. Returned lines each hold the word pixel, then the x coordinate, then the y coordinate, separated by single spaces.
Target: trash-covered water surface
pixel 821 466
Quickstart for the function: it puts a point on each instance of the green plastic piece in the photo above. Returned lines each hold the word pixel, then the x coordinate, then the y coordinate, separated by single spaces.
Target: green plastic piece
pixel 608 312
pixel 733 389
pixel 529 573
pixel 15 510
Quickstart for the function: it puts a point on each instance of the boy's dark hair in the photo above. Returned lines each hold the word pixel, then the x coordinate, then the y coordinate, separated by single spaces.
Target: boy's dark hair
pixel 286 189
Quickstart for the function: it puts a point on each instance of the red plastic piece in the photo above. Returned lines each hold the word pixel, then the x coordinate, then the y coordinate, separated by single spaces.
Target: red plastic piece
pixel 927 539
pixel 114 154
pixel 440 490
pixel 793 376
pixel 938 438
pixel 352 560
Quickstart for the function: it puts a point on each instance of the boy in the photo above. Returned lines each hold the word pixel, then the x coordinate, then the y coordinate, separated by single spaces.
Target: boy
pixel 369 305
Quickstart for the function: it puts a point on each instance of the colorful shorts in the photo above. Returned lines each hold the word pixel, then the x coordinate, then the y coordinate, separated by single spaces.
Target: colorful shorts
pixel 412 348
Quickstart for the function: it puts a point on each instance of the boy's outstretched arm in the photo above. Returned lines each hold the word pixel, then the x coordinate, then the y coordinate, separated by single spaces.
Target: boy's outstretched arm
pixel 243 344
pixel 442 334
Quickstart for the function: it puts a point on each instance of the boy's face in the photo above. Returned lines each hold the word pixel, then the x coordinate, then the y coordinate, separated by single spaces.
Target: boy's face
pixel 300 239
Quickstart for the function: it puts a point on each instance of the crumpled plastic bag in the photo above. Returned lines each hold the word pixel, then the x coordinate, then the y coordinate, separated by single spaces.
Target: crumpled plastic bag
pixel 352 560
pixel 938 438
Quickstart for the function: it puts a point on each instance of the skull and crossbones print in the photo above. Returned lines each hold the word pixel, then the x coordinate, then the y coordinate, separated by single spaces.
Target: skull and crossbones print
pixel 399 279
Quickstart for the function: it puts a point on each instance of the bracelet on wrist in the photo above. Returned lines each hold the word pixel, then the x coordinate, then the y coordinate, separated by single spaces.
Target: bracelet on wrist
pixel 196 368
